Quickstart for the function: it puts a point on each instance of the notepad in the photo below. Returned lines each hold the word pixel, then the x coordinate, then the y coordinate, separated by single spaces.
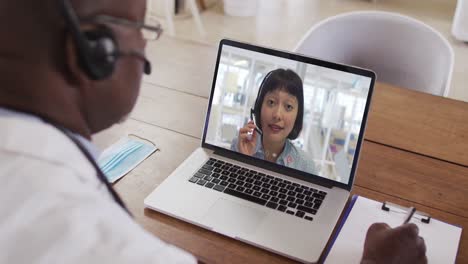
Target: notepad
pixel 441 239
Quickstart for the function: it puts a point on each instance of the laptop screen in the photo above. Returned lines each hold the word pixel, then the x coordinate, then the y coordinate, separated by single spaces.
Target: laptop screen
pixel 288 110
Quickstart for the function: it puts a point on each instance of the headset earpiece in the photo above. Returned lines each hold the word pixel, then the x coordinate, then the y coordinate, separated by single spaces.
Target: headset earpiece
pixel 96 48
pixel 100 54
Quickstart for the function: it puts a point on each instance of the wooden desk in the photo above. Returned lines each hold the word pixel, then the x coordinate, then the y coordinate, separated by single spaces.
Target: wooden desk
pixel 425 124
pixel 415 153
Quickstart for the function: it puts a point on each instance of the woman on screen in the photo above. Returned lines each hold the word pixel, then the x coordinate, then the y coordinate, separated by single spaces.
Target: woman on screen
pixel 276 119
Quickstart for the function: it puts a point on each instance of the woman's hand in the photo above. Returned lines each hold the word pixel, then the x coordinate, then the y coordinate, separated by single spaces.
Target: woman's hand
pixel 247 140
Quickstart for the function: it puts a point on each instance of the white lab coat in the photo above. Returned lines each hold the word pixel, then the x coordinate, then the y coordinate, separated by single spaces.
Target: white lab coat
pixel 53 208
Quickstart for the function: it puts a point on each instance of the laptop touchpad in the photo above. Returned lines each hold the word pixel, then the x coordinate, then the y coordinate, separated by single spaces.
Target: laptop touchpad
pixel 233 219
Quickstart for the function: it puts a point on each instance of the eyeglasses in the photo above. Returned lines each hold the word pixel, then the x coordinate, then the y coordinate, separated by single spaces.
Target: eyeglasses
pixel 150 29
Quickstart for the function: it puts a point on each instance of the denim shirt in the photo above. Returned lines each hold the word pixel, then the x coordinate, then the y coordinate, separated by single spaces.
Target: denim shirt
pixel 290 157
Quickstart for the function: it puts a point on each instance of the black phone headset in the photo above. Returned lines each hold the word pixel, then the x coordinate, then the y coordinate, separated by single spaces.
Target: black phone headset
pixel 97 49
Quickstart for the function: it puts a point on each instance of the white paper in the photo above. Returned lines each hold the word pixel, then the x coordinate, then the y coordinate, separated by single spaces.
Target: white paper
pixel 441 239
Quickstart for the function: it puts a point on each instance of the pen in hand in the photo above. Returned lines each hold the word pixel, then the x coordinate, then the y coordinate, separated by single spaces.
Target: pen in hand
pixel 411 212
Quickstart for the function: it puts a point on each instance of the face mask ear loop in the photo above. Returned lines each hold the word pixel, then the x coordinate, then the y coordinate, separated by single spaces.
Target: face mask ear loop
pixel 142 138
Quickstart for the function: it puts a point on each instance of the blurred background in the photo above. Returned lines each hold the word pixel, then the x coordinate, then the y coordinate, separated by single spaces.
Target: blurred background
pixel 282 23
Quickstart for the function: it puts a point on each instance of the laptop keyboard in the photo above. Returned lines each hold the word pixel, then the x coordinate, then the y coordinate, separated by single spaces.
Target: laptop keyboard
pixel 272 192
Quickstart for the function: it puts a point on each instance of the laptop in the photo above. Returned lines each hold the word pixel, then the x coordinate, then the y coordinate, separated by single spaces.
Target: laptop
pixel 236 185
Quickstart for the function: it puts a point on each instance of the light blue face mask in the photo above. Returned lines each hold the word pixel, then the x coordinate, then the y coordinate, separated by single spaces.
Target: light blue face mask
pixel 123 156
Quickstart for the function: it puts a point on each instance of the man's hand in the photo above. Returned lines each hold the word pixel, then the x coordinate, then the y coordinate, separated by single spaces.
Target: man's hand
pixel 398 245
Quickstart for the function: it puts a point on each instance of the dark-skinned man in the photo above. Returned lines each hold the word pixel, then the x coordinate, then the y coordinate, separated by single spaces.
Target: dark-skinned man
pixel 69 69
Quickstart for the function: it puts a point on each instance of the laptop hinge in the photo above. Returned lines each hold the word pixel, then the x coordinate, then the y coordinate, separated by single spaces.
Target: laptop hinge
pixel 275 167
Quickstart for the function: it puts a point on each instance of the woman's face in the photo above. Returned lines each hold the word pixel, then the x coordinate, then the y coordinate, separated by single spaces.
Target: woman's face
pixel 279 112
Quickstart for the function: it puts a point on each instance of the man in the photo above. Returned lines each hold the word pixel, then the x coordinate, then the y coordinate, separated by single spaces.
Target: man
pixel 67 72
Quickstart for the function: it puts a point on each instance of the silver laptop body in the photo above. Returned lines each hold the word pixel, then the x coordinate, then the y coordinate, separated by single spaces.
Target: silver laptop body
pixel 272 206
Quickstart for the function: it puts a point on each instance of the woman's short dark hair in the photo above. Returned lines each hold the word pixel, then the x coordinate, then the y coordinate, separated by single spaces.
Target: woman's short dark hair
pixel 289 81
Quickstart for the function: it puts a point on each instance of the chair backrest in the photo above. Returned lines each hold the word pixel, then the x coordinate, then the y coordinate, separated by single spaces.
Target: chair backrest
pixel 402 51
